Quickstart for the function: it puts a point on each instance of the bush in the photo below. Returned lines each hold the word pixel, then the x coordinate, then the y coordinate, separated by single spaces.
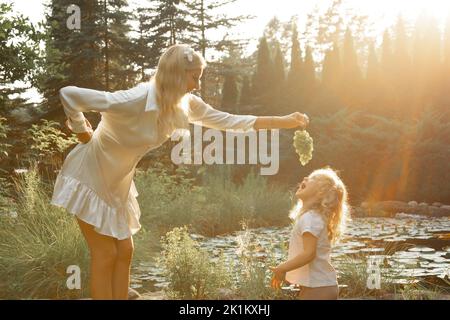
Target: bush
pixel 253 273
pixel 47 143
pixel 38 245
pixel 189 269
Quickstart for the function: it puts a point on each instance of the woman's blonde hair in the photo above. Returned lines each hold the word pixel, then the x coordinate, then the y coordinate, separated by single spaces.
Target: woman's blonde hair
pixel 333 205
pixel 170 80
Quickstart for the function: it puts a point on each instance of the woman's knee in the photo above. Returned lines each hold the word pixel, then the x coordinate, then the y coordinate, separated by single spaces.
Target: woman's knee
pixel 125 250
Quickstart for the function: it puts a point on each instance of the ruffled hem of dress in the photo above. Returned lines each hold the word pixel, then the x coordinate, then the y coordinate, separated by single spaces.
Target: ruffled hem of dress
pixel 83 202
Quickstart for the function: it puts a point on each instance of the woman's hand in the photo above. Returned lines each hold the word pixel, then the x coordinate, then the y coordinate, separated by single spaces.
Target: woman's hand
pixel 295 120
pixel 83 137
pixel 277 278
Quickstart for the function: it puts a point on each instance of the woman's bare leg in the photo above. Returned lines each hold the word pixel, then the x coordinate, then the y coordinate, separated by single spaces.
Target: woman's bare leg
pixel 103 252
pixel 121 273
pixel 320 293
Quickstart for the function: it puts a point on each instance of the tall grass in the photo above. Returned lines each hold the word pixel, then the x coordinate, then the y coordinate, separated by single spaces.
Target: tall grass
pixel 38 245
pixel 215 205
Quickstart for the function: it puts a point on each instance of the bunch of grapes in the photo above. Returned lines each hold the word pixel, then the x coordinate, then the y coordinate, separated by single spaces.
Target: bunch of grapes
pixel 303 144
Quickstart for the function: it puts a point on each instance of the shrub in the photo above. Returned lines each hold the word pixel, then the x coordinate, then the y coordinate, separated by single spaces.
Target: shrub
pixel 189 269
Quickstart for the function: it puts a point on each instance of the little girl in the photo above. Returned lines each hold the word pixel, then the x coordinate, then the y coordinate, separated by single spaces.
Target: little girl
pixel 319 218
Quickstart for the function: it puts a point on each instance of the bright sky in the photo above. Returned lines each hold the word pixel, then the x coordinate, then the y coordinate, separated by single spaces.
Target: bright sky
pixel 382 13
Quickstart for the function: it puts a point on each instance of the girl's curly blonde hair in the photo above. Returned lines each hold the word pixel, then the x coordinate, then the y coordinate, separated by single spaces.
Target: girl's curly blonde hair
pixel 333 205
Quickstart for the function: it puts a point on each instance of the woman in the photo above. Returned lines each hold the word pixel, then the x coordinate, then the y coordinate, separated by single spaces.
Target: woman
pixel 96 180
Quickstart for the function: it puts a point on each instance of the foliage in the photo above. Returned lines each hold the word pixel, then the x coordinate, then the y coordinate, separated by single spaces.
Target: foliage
pixel 38 242
pixel 189 269
pixel 47 143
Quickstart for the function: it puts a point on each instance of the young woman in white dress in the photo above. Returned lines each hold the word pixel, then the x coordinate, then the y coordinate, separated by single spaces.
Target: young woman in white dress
pixel 96 180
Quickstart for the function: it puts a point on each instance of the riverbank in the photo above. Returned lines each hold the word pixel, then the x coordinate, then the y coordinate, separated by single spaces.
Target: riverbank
pixel 391 208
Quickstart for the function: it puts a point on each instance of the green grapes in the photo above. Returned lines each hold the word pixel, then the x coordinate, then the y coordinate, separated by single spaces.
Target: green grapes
pixel 303 144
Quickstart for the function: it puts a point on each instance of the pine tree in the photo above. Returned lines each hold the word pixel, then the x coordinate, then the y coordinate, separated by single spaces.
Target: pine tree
pixel 332 70
pixel 147 47
pixel 72 57
pixel 295 71
pixel 119 73
pixel 427 61
pixel 308 83
pixel 386 69
pixel 444 95
pixel 229 92
pixel 373 68
pixel 263 78
pixel 246 92
pixel 170 20
pixel 279 75
pixel 203 19
pixel 372 88
pixel 351 74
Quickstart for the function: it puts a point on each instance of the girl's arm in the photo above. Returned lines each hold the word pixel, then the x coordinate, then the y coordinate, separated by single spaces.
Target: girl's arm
pixel 303 258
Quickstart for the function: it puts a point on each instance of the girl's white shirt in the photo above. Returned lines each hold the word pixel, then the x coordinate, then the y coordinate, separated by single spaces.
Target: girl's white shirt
pixel 319 272
pixel 96 180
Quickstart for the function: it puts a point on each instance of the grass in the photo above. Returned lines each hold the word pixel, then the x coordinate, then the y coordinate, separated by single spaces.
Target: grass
pixel 40 241
pixel 216 205
pixel 38 245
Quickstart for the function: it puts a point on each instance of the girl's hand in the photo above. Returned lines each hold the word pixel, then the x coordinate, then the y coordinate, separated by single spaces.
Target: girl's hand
pixel 295 120
pixel 277 278
pixel 83 137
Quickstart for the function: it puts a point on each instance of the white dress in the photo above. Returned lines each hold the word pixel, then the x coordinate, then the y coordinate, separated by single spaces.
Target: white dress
pixel 96 180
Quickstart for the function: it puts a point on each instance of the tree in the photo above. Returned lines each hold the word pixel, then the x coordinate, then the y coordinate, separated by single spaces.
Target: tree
pixel 444 96
pixel 373 69
pixel 351 74
pixel 19 42
pixel 72 57
pixel 401 72
pixel 246 92
pixel 332 70
pixel 295 71
pixel 147 47
pixel 229 92
pixel 263 81
pixel 203 18
pixel 278 76
pixel 308 83
pixel 279 33
pixel 119 73
pixel 427 61
pixel 170 20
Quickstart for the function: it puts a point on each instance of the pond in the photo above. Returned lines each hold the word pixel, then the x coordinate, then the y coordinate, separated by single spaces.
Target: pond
pixel 411 247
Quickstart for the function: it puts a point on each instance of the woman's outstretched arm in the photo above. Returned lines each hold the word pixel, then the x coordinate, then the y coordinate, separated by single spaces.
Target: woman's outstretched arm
pixel 202 113
pixel 293 120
